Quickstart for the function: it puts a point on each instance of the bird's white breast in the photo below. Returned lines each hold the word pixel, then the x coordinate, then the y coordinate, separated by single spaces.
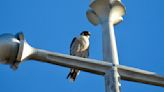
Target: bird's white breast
pixel 85 42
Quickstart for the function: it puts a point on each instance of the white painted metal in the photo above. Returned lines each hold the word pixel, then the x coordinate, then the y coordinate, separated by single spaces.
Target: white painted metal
pixel 104 12
pixel 112 79
pixel 88 65
pixel 98 67
pixel 108 13
pixel 110 55
pixel 109 43
pixel 25 50
pixel 9 46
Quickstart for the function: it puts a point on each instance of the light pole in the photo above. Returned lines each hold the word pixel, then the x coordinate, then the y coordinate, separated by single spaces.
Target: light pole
pixel 14 49
pixel 108 13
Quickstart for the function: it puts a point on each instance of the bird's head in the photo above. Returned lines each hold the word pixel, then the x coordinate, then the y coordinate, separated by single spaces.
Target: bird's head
pixel 85 33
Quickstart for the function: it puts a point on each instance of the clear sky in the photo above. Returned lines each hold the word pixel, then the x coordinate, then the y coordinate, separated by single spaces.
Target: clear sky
pixel 51 25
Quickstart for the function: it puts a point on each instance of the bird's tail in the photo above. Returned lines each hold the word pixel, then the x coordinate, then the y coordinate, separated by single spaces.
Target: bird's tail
pixel 73 74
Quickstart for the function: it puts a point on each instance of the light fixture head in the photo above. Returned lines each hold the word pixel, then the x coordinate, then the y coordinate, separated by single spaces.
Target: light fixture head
pixel 116 12
pixel 92 17
pixel 14 49
pixel 9 45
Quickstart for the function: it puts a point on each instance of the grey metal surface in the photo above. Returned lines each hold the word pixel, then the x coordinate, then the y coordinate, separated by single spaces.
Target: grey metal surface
pixel 9 46
pixel 98 67
pixel 89 65
pixel 108 13
pixel 14 49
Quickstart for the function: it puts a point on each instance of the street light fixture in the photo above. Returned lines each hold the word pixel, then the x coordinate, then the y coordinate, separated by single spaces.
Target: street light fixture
pixel 9 45
pixel 116 12
pixel 113 11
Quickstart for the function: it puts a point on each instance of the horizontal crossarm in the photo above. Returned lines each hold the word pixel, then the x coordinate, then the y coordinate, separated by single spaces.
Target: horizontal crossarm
pixel 98 67
pixel 142 76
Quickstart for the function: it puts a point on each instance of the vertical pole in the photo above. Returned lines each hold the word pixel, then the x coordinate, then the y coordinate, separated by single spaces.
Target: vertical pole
pixel 107 13
pixel 109 43
pixel 110 55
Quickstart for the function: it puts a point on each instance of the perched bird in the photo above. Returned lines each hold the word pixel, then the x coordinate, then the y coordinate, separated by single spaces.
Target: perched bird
pixel 79 47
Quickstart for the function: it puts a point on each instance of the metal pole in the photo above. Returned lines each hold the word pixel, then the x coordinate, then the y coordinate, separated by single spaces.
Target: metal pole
pixel 108 13
pixel 109 43
pixel 110 55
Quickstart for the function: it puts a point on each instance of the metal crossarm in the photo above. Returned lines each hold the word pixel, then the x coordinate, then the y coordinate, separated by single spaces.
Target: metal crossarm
pixel 98 67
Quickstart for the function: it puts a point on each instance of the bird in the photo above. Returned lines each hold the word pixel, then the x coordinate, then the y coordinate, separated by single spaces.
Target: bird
pixel 79 47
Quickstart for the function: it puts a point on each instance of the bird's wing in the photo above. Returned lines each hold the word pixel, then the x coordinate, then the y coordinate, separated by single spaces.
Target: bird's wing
pixel 73 41
pixel 75 46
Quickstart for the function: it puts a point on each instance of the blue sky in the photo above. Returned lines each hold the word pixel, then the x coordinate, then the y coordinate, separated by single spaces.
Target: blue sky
pixel 51 25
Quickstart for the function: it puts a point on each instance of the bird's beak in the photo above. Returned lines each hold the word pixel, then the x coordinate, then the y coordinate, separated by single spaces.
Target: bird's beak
pixel 89 33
